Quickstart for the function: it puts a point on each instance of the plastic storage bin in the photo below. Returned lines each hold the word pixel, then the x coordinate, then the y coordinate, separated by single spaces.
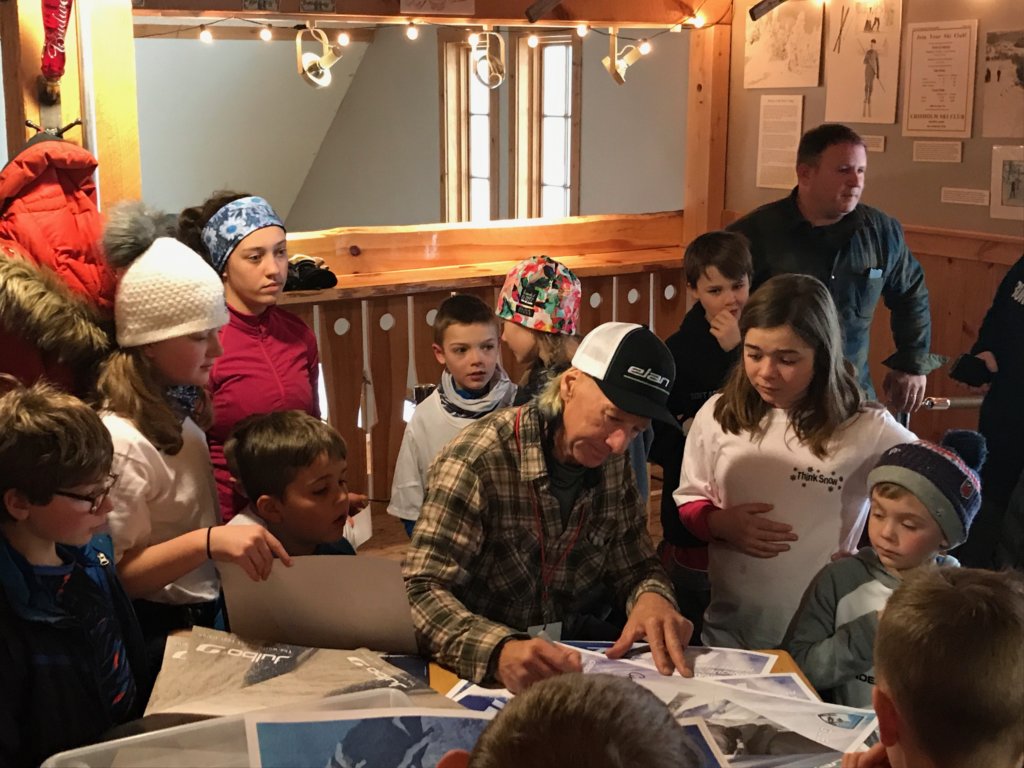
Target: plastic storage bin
pixel 215 743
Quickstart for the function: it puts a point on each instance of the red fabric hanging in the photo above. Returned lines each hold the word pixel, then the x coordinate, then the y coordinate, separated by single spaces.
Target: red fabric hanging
pixel 56 15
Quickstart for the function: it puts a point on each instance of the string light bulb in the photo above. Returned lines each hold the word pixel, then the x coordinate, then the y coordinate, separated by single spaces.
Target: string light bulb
pixel 411 31
pixel 697 20
pixel 266 35
pixel 644 47
pixel 533 41
pixel 581 30
pixel 473 39
pixel 204 34
pixel 344 38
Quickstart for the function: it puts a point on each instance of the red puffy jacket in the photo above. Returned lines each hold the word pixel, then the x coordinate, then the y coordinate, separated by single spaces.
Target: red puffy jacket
pixel 56 290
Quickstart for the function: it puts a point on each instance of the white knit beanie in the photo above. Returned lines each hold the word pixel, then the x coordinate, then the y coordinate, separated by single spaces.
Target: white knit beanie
pixel 166 292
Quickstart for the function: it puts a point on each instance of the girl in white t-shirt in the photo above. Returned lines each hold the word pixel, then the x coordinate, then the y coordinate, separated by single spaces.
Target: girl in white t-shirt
pixel 168 309
pixel 775 466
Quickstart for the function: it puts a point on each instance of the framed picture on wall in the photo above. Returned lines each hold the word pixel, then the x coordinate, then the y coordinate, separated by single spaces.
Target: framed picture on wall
pixel 1007 199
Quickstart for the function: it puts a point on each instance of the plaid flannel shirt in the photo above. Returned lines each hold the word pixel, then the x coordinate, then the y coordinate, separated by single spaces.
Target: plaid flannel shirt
pixel 473 570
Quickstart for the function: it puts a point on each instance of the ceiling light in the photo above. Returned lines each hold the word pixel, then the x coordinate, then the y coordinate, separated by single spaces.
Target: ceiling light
pixel 316 69
pixel 644 47
pixel 618 61
pixel 582 29
pixel 204 34
pixel 473 39
pixel 344 38
pixel 266 35
pixel 533 41
pixel 411 32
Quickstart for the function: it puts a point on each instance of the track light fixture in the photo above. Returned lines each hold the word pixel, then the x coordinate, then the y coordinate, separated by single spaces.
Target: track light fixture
pixel 488 66
pixel 314 69
pixel 618 61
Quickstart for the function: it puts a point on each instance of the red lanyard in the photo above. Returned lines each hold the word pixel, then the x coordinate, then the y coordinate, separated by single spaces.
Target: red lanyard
pixel 546 573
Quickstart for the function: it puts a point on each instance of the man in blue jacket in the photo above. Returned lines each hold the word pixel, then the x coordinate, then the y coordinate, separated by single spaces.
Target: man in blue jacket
pixel 822 229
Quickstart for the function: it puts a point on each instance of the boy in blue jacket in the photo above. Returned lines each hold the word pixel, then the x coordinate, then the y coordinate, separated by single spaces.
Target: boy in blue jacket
pixel 72 664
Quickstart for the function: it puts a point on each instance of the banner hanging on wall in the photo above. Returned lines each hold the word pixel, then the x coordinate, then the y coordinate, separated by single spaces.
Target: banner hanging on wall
pixel 782 49
pixel 862 61
pixel 938 92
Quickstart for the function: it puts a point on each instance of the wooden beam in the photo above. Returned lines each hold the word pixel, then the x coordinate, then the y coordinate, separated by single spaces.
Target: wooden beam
pixel 21 29
pixel 707 123
pixel 115 124
pixel 635 13
pixel 281 31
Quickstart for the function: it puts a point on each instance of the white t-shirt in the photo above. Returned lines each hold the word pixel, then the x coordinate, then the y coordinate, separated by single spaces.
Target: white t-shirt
pixel 825 500
pixel 160 497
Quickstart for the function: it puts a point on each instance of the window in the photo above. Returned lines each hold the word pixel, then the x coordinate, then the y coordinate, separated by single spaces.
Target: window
pixel 545 103
pixel 469 131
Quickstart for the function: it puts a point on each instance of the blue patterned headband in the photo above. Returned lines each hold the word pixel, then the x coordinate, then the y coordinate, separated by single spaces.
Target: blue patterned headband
pixel 239 218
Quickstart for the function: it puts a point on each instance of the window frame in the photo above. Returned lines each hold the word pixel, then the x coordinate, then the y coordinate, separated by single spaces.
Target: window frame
pixel 454 73
pixel 526 109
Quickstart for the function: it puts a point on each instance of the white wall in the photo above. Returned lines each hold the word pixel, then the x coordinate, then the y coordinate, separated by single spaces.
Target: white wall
pixel 380 161
pixel 231 115
pixel 633 143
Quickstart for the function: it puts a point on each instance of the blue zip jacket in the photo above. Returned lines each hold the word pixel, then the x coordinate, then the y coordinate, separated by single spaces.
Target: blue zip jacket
pixel 50 690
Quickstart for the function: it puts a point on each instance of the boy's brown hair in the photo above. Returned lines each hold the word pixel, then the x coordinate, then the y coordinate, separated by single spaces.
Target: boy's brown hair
pixel 462 309
pixel 949 654
pixel 264 452
pixel 49 440
pixel 728 252
pixel 888 490
pixel 592 720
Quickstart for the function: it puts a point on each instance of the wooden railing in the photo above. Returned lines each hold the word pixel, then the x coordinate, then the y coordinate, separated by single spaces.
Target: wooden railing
pixel 377 321
pixel 376 324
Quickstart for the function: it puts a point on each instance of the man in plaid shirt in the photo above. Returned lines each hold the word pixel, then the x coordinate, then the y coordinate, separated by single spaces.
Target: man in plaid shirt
pixel 532 513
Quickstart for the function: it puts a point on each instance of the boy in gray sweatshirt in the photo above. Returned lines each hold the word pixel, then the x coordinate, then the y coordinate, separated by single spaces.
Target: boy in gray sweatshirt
pixel 923 499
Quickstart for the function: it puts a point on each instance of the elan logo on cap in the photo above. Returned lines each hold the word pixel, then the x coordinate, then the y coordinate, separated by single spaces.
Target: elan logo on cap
pixel 637 372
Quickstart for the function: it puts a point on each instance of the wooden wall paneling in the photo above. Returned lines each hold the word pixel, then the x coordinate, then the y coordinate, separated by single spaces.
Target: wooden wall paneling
pixel 340 334
pixel 596 304
pixel 389 349
pixel 669 301
pixel 633 298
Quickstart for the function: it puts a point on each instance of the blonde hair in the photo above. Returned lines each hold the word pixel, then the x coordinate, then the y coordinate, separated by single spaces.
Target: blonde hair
pixel 833 397
pixel 554 351
pixel 128 386
pixel 949 654
pixel 549 399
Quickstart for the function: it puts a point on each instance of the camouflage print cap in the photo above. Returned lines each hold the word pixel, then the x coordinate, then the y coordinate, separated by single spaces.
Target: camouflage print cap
pixel 543 295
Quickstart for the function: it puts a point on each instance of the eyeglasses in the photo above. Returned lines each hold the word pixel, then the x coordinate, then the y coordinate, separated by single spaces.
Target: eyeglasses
pixel 95 499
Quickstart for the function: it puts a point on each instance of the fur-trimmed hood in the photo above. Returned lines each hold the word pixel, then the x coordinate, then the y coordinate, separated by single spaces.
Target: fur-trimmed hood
pixel 39 307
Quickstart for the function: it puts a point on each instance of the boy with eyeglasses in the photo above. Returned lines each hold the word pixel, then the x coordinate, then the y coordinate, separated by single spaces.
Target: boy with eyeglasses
pixel 72 663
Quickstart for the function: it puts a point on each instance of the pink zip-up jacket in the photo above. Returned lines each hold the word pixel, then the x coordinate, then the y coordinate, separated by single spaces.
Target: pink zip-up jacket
pixel 270 363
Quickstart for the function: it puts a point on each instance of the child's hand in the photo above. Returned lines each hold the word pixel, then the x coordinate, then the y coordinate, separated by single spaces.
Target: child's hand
pixel 251 547
pixel 357 502
pixel 725 327
pixel 875 757
pixel 745 527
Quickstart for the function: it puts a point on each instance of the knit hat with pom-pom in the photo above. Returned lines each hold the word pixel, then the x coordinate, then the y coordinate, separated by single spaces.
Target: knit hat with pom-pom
pixel 943 477
pixel 167 289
